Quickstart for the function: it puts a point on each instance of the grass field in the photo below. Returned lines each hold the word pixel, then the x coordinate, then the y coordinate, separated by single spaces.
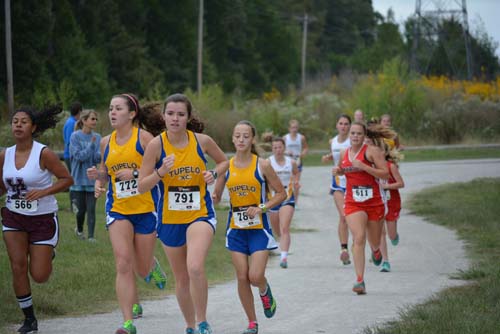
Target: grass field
pixel 472 210
pixel 84 273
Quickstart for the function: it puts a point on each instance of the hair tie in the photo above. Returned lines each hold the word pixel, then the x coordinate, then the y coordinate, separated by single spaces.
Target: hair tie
pixel 133 101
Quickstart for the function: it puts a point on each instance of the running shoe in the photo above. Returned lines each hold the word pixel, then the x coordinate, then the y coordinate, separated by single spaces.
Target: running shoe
pixel 377 261
pixel 190 330
pixel 269 303
pixel 29 326
pixel 158 275
pixel 344 256
pixel 127 328
pixel 204 328
pixel 395 242
pixel 359 288
pixel 253 328
pixel 386 267
pixel 137 311
pixel 79 234
pixel 284 263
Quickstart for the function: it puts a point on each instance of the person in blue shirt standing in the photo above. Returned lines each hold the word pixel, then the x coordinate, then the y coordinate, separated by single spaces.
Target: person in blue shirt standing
pixel 85 152
pixel 69 127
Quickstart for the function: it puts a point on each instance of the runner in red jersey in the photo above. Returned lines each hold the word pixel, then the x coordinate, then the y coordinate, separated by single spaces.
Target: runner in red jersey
pixel 362 165
pixel 393 200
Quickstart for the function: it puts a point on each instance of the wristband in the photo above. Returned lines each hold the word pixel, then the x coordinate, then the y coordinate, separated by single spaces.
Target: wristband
pixel 263 207
pixel 158 173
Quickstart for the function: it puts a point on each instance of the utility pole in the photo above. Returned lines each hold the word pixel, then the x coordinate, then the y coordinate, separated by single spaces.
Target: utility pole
pixel 200 48
pixel 416 37
pixel 304 53
pixel 468 51
pixel 8 58
pixel 306 19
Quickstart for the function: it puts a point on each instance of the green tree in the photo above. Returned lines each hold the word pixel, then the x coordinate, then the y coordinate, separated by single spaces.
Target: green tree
pixel 388 44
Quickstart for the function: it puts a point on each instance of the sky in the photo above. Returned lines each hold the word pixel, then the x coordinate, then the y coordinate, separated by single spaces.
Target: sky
pixel 483 13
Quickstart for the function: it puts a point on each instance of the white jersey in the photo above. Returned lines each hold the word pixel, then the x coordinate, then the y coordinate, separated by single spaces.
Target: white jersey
pixel 284 172
pixel 19 181
pixel 293 146
pixel 336 147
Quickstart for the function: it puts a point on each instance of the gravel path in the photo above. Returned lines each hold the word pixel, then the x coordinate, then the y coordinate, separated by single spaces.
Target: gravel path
pixel 314 293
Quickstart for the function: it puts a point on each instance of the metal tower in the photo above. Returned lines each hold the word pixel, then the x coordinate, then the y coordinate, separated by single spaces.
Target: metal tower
pixel 429 14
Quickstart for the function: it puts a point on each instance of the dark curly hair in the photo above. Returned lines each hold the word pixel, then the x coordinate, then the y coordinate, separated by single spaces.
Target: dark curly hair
pixel 44 119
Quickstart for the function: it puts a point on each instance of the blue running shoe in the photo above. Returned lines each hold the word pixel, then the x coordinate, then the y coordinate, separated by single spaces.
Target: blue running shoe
pixel 395 242
pixel 386 267
pixel 284 263
pixel 190 330
pixel 377 261
pixel 269 303
pixel 204 328
pixel 359 288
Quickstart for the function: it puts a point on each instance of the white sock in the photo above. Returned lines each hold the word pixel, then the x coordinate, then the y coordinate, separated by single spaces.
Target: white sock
pixel 284 255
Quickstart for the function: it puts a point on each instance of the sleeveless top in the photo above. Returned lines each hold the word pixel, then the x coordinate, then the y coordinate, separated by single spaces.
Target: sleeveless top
pixel 123 195
pixel 246 187
pixel 336 147
pixel 294 145
pixel 392 194
pixel 185 197
pixel 19 181
pixel 284 172
pixel 362 189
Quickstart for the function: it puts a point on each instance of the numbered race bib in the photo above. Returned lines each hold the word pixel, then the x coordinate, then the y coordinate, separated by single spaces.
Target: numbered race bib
pixel 22 206
pixel 242 221
pixel 184 198
pixel 362 193
pixel 127 188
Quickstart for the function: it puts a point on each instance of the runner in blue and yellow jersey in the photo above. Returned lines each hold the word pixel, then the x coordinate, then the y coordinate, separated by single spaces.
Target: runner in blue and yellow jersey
pixel 249 236
pixel 131 217
pixel 176 161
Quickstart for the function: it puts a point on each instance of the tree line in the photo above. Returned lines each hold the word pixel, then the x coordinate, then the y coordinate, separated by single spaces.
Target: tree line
pixel 90 49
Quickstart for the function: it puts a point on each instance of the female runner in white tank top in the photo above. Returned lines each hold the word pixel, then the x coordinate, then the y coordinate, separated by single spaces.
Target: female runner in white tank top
pixel 282 214
pixel 338 144
pixel 29 218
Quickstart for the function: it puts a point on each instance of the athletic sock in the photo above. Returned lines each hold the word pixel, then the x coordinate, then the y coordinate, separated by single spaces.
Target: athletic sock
pixel 26 305
pixel 252 324
pixel 359 279
pixel 284 255
pixel 377 254
pixel 265 292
